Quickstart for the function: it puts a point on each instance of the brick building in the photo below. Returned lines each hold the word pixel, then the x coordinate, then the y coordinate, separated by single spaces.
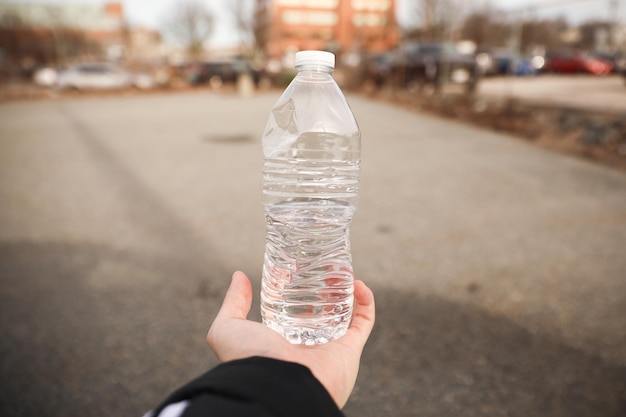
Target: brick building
pixel 104 23
pixel 285 26
pixel 35 34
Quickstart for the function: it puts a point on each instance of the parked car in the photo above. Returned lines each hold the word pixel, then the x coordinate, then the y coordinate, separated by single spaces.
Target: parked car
pixel 514 64
pixel 611 59
pixel 101 76
pixel 503 61
pixel 377 68
pixel 219 72
pixel 621 66
pixel 493 61
pixel 571 63
pixel 434 64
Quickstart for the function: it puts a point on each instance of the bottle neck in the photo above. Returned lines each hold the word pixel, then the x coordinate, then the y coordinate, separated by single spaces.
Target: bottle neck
pixel 314 68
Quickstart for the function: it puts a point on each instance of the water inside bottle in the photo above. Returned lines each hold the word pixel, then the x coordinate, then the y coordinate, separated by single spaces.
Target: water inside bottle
pixel 307 292
pixel 307 274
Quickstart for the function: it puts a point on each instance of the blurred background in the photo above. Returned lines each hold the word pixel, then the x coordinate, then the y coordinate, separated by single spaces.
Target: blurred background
pixel 177 42
pixel 492 216
pixel 403 50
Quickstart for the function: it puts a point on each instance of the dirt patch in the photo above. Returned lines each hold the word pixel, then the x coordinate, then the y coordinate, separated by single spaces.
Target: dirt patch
pixel 595 135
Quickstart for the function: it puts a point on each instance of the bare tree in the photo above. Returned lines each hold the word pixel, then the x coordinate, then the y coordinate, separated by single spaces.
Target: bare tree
pixel 487 26
pixel 191 22
pixel 437 19
pixel 68 43
pixel 25 45
pixel 520 30
pixel 546 32
pixel 242 11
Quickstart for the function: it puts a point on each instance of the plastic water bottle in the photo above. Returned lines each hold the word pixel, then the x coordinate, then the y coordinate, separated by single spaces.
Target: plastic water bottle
pixel 312 152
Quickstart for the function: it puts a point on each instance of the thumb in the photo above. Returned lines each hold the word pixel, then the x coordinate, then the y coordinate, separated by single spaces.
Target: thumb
pixel 238 299
pixel 363 316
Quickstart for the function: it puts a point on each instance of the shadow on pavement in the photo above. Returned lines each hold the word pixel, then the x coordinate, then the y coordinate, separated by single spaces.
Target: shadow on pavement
pixel 88 330
pixel 430 357
pixel 93 331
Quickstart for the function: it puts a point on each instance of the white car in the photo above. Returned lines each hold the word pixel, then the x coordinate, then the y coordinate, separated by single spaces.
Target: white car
pixel 102 76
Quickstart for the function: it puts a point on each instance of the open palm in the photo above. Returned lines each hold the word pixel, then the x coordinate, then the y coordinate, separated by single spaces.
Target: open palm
pixel 335 364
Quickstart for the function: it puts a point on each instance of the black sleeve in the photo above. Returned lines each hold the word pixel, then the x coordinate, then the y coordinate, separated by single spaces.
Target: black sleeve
pixel 255 387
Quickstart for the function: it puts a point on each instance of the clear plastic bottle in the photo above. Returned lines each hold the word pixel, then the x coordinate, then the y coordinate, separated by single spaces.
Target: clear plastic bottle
pixel 312 153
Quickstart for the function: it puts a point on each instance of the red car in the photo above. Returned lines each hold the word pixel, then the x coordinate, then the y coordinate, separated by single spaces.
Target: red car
pixel 577 63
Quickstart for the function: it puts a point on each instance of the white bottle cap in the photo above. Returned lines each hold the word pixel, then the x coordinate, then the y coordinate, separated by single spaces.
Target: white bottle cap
pixel 323 58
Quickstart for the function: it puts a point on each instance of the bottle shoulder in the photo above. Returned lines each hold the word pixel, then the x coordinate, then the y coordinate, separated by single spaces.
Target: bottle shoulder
pixel 314 107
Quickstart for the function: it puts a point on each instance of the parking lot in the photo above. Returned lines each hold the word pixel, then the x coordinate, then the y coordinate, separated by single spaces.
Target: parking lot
pixel 497 266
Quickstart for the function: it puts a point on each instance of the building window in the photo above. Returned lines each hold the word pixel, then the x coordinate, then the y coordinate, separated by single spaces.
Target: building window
pixel 368 19
pixel 297 17
pixel 374 5
pixel 317 4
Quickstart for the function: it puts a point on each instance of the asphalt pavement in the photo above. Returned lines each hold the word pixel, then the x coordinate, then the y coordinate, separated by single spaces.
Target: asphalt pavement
pixel 498 267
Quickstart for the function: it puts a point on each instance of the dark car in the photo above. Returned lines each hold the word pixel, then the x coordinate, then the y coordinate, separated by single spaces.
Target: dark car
pixel 433 65
pixel 219 72
pixel 621 65
pixel 378 68
pixel 503 62
pixel 514 64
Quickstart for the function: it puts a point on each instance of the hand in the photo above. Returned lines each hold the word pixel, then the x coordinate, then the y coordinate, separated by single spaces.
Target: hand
pixel 334 364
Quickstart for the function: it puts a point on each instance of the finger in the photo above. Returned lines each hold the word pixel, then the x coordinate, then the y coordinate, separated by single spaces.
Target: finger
pixel 363 316
pixel 238 298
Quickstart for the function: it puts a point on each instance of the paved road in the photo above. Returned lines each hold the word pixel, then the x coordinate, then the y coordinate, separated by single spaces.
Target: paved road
pixel 498 267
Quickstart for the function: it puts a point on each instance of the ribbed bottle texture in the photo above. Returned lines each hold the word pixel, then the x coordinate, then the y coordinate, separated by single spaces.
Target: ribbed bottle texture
pixel 311 147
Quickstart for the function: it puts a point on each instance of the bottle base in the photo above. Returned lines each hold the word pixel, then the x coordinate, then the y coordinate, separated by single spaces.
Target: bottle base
pixel 308 336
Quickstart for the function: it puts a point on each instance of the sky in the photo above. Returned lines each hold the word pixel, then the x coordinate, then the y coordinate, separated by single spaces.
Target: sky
pixel 154 13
